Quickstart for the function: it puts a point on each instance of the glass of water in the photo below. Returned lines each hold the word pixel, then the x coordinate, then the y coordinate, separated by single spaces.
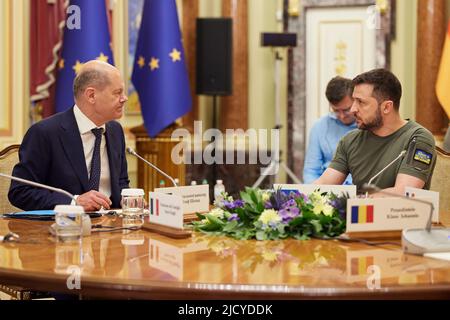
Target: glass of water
pixel 133 203
pixel 69 222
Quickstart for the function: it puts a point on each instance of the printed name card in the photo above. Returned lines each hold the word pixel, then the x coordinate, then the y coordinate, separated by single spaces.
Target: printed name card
pixel 195 198
pixel 385 214
pixel 310 188
pixel 166 210
pixel 427 195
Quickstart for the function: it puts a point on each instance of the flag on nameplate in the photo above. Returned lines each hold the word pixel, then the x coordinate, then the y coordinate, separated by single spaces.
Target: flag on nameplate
pixel 86 37
pixel 443 79
pixel 154 207
pixel 362 214
pixel 159 70
pixel 359 265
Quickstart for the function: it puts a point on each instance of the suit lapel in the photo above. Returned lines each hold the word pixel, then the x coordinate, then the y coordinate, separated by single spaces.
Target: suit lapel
pixel 73 147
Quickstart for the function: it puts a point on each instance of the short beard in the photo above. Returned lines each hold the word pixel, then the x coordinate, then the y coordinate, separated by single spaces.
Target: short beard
pixel 375 123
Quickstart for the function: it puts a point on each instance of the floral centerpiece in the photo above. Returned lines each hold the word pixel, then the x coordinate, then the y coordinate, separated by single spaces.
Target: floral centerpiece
pixel 271 215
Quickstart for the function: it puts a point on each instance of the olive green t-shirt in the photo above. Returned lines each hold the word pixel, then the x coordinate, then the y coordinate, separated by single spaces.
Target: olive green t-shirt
pixel 364 154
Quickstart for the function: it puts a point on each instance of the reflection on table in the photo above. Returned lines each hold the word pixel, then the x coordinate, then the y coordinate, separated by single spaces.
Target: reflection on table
pixel 140 264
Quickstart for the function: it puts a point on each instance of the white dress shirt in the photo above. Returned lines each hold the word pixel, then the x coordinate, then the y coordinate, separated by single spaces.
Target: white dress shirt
pixel 87 137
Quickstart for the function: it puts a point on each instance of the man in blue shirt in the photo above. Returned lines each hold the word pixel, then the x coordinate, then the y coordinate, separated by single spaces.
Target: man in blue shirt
pixel 329 129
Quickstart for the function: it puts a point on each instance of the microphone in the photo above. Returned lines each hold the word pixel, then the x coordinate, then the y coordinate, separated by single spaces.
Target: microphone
pixel 39 185
pixel 401 155
pixel 132 152
pixel 86 218
pixel 419 241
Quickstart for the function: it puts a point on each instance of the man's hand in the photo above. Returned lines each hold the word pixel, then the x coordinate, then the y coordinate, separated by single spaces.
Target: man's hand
pixel 93 201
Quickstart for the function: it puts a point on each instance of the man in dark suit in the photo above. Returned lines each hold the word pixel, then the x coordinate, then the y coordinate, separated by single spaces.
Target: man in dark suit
pixel 81 150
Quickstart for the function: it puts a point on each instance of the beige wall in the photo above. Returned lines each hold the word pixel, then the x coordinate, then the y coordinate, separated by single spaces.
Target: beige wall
pixel 262 18
pixel 14 62
pixel 403 54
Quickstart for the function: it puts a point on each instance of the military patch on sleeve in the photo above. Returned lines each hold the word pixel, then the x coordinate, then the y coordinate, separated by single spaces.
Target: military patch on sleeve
pixel 423 156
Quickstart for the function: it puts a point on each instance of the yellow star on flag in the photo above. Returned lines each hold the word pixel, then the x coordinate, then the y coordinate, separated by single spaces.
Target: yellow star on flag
pixel 77 67
pixel 154 63
pixel 61 64
pixel 175 55
pixel 141 62
pixel 102 57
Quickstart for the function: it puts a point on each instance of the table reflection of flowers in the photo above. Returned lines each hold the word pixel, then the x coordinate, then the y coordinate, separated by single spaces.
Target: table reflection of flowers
pixel 222 247
pixel 272 215
pixel 271 252
pixel 303 256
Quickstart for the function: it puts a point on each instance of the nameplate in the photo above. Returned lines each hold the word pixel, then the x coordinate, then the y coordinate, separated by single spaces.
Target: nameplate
pixel 426 195
pixel 166 210
pixel 310 188
pixel 195 198
pixel 385 214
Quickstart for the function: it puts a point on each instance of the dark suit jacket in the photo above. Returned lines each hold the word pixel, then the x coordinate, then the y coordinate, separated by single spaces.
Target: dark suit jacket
pixel 52 153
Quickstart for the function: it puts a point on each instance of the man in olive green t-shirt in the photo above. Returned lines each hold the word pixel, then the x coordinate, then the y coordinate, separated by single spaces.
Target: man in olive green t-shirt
pixel 380 138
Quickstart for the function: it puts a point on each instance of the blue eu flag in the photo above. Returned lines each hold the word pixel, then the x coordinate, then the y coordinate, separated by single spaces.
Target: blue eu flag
pixel 86 37
pixel 159 71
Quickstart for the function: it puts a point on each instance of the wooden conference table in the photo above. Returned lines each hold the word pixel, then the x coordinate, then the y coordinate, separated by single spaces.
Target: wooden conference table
pixel 144 265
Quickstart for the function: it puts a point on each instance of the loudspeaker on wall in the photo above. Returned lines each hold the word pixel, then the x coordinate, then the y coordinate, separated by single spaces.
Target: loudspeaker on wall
pixel 214 56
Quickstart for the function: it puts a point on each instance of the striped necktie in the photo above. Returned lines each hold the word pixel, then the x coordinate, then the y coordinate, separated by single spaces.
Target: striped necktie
pixel 94 179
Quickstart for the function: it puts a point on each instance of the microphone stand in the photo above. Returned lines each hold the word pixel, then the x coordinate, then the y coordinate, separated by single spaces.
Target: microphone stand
pixel 14 237
pixel 39 185
pixel 385 168
pixel 276 160
pixel 420 241
pixel 132 152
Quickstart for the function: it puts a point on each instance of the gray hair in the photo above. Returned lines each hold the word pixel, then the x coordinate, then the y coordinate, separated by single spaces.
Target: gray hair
pixel 91 77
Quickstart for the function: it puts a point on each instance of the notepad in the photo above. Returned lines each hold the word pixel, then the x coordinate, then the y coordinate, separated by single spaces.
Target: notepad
pixel 34 213
pixel 47 214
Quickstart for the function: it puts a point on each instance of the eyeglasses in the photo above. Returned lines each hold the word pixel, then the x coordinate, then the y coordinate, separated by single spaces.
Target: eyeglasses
pixel 344 111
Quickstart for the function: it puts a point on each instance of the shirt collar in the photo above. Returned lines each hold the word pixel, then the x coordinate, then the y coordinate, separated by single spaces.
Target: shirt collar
pixel 331 115
pixel 84 123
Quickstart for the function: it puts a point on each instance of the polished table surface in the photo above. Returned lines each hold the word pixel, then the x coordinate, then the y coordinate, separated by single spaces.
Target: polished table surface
pixel 144 265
